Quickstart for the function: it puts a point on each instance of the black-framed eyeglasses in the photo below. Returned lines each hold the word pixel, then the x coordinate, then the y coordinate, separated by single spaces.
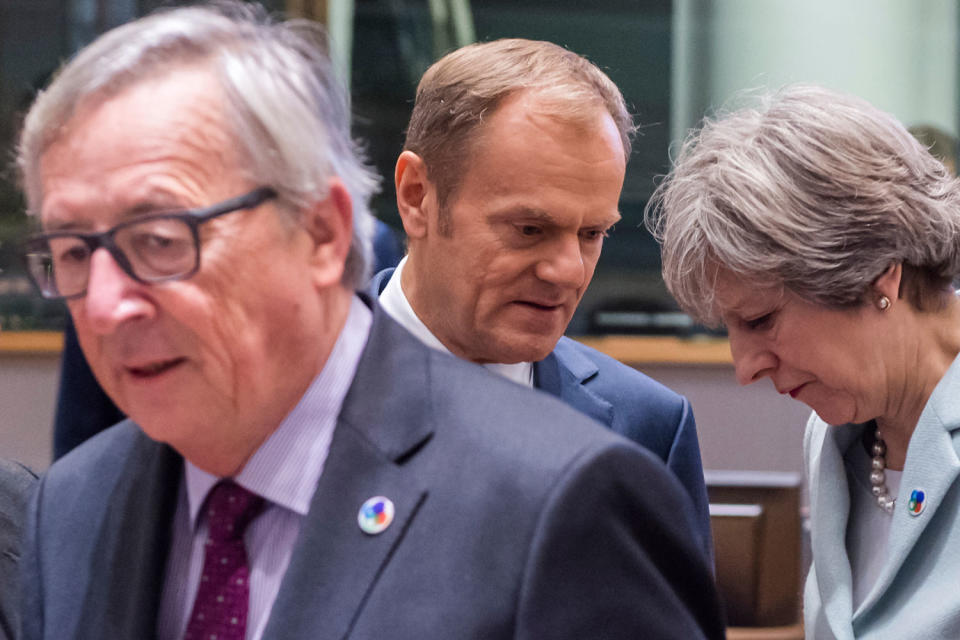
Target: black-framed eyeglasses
pixel 157 247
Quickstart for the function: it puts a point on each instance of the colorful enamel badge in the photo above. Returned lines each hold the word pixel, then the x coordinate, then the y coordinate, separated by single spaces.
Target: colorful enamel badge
pixel 916 504
pixel 375 515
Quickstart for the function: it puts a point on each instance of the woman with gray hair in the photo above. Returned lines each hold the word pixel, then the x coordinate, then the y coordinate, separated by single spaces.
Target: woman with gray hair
pixel 827 239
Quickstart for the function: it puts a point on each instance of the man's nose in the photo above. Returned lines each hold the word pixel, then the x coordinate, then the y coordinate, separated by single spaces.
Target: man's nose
pixel 112 297
pixel 752 360
pixel 563 264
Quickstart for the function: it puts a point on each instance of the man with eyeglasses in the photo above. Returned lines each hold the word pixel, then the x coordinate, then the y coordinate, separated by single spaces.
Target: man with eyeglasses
pixel 296 465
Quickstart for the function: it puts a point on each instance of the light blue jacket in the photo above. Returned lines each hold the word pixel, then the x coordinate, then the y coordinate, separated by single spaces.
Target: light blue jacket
pixel 917 594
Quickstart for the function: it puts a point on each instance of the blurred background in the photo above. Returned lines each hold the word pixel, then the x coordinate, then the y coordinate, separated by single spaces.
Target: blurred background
pixel 675 60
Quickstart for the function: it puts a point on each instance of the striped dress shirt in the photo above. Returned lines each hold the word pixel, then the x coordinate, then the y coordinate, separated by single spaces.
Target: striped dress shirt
pixel 285 471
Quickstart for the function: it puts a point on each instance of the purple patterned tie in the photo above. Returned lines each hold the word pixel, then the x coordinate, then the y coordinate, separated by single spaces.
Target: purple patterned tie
pixel 220 610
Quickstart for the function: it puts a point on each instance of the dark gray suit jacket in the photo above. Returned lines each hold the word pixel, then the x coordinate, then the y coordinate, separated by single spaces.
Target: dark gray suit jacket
pixel 515 518
pixel 16 483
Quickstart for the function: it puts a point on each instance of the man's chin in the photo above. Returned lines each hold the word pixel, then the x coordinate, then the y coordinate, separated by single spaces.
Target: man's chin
pixel 516 349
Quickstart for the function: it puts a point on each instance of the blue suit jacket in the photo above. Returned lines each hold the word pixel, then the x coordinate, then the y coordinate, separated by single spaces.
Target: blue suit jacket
pixel 516 518
pixel 916 594
pixel 628 402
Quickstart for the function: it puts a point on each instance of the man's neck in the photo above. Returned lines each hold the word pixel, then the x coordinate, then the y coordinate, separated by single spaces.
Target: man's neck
pixel 395 302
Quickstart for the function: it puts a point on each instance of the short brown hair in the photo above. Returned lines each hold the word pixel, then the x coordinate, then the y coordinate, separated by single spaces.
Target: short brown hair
pixel 459 90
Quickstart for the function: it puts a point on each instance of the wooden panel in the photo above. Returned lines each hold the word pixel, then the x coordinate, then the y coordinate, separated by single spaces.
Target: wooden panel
pixel 788 632
pixel 631 350
pixel 638 350
pixel 778 554
pixel 737 540
pixel 31 342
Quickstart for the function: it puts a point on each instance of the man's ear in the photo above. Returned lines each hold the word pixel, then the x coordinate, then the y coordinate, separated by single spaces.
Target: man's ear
pixel 329 225
pixel 888 284
pixel 416 195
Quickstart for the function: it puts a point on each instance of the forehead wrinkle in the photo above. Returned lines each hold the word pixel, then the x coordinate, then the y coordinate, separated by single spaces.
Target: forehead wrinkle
pixel 203 125
pixel 194 144
pixel 559 131
pixel 153 198
pixel 202 147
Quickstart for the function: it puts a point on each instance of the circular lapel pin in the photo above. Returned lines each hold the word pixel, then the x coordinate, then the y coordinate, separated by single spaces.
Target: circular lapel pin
pixel 916 504
pixel 375 515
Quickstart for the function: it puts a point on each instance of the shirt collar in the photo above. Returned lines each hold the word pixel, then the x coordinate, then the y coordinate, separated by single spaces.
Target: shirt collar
pixel 394 302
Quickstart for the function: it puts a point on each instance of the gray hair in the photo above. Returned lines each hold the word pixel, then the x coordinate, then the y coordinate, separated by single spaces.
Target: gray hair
pixel 289 111
pixel 462 87
pixel 813 191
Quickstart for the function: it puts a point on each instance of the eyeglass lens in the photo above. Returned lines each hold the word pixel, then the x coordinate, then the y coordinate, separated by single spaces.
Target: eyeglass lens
pixel 155 249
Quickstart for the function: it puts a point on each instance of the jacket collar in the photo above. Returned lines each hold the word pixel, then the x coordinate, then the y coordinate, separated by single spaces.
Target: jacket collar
pixel 373 442
pixel 565 373
pixel 931 466
pixel 379 282
pixel 133 551
pixel 829 512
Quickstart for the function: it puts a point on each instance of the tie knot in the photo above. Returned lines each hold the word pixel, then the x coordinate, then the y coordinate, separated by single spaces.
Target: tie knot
pixel 230 508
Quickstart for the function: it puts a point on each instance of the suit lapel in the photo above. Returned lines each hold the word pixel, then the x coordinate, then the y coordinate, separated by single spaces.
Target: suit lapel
pixel 385 421
pixel 132 551
pixel 829 512
pixel 379 282
pixel 564 373
pixel 932 465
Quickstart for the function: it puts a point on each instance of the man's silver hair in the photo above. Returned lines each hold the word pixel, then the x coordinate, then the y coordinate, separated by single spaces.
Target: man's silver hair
pixel 814 191
pixel 289 111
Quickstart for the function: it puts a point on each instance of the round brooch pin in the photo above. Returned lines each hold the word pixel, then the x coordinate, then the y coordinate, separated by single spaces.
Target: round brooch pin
pixel 375 515
pixel 916 504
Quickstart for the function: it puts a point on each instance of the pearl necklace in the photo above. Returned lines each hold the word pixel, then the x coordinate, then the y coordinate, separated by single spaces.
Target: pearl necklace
pixel 878 479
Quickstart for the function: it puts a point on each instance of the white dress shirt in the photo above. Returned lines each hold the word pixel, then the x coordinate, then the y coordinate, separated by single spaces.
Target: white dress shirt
pixel 284 471
pixel 394 302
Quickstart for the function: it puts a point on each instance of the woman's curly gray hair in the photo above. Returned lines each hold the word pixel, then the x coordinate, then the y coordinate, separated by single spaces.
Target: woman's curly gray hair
pixel 814 191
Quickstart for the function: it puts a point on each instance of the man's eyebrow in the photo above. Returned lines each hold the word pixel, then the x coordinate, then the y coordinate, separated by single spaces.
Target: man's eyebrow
pixel 518 214
pixel 613 219
pixel 154 200
pixel 152 203
pixel 144 208
pixel 523 213
pixel 55 224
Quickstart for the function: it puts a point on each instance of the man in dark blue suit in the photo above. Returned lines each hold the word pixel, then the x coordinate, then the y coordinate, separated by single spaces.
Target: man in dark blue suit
pixel 508 183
